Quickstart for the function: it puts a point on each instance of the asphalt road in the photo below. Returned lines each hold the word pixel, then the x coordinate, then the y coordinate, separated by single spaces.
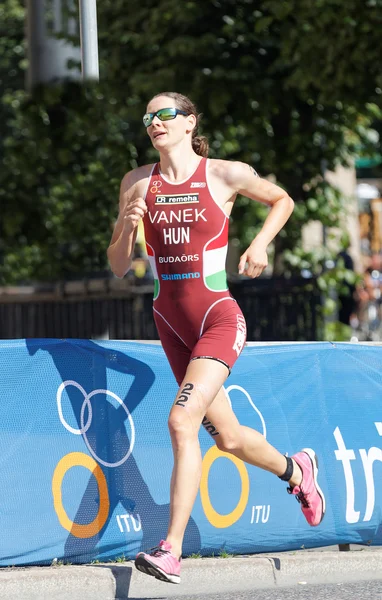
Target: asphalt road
pixel 367 590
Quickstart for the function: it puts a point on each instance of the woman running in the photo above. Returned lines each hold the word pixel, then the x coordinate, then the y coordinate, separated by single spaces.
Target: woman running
pixel 185 201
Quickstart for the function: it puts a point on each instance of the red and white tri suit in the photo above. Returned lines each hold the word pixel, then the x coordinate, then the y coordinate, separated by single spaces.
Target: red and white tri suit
pixel 186 235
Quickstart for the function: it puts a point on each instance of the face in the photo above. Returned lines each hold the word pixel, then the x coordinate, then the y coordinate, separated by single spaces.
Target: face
pixel 166 134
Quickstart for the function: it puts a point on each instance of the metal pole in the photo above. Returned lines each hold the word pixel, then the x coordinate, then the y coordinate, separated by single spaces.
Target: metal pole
pixel 89 39
pixel 48 55
pixel 35 34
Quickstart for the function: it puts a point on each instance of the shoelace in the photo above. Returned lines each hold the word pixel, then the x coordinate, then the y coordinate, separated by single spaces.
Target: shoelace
pixel 300 497
pixel 157 551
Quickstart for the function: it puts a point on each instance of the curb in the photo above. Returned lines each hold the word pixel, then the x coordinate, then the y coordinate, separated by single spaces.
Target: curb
pixel 107 581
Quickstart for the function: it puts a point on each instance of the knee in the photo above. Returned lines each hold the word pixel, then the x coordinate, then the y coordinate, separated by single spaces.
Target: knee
pixel 229 443
pixel 180 428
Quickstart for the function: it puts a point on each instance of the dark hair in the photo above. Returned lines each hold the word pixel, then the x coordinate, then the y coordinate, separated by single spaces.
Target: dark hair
pixel 199 142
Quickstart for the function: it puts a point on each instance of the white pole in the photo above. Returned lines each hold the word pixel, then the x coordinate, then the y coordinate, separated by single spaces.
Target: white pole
pixel 89 39
pixel 48 55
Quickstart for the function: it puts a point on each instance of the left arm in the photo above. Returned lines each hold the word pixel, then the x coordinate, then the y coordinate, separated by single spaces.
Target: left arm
pixel 244 180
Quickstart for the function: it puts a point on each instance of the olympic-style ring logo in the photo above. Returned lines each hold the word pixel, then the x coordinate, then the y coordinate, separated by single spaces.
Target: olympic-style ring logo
pixel 155 187
pixel 216 519
pixel 85 426
pixel 80 459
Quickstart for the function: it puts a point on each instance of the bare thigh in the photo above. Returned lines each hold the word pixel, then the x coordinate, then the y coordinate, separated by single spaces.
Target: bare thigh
pixel 203 379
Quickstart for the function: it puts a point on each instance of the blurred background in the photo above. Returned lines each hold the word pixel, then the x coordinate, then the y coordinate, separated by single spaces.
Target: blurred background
pixel 292 87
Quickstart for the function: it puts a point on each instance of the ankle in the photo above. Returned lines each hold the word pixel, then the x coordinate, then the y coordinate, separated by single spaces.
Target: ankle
pixel 296 478
pixel 176 549
pixel 177 552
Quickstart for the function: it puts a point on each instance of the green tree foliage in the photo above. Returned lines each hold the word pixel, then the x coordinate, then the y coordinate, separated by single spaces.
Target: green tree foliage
pixel 60 181
pixel 287 86
pixel 12 45
pixel 12 66
pixel 339 41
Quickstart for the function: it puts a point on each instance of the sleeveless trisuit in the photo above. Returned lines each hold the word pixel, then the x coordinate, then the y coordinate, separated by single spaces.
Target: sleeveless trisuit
pixel 186 235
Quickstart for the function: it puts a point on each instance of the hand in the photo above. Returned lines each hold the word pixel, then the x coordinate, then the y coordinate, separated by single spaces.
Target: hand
pixel 133 213
pixel 253 261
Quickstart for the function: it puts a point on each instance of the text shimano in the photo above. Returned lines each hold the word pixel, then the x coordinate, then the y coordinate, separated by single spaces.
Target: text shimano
pixel 178 276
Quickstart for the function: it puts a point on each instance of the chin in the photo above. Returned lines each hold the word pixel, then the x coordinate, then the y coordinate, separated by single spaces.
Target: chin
pixel 159 144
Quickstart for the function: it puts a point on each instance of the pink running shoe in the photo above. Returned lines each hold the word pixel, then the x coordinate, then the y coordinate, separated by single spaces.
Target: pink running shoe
pixel 160 563
pixel 309 493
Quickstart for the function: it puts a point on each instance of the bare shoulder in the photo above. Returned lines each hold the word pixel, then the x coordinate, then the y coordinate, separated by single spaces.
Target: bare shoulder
pixel 134 183
pixel 232 172
pixel 136 177
pixel 217 167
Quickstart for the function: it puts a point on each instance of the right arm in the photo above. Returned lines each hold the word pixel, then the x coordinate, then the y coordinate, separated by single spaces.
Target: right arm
pixel 131 211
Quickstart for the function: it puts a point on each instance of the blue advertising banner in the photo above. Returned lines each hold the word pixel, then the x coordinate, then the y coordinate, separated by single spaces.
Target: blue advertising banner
pixel 86 459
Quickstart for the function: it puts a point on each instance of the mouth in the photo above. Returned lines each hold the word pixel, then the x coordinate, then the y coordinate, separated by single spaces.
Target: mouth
pixel 158 134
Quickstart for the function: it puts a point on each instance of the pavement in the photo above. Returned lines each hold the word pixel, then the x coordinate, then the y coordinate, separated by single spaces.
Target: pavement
pixel 112 581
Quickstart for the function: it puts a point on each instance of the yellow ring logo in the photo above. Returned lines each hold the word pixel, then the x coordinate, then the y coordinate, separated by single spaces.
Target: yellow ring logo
pixel 79 459
pixel 215 518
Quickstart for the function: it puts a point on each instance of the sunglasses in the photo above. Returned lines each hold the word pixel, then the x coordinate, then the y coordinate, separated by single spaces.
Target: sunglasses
pixel 164 114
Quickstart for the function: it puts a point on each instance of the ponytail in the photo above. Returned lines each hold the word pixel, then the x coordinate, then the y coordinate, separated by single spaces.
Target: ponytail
pixel 200 145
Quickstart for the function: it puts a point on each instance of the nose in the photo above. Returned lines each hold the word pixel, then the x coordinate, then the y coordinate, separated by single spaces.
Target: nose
pixel 156 120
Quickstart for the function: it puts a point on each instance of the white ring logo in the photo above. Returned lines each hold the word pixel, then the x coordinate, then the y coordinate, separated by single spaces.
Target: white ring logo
pixel 85 426
pixel 246 394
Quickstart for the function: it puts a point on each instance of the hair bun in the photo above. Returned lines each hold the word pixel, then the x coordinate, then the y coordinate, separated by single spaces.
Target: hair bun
pixel 200 145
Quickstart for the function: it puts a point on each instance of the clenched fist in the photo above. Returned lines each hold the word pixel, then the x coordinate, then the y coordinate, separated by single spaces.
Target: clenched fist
pixel 133 213
pixel 254 260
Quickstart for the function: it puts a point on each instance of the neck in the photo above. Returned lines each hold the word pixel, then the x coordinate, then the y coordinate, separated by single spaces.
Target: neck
pixel 176 165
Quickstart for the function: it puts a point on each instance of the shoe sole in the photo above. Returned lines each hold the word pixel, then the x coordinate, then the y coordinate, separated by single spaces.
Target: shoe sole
pixel 314 460
pixel 149 568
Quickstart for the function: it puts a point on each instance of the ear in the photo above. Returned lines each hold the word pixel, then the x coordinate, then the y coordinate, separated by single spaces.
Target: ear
pixel 191 122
